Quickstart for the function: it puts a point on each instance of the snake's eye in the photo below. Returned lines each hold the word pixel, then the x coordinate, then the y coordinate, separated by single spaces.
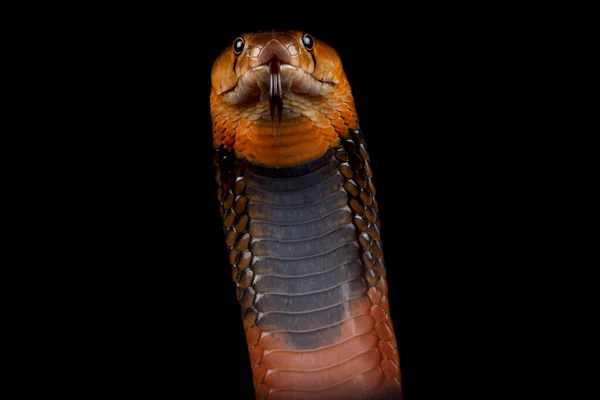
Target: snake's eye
pixel 308 41
pixel 238 45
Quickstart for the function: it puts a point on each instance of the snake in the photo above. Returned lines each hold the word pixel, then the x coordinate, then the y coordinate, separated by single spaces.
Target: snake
pixel 300 221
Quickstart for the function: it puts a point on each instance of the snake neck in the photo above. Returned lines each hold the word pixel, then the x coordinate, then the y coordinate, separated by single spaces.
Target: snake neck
pixel 307 260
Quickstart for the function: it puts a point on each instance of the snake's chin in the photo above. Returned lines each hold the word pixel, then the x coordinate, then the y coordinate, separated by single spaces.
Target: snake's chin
pixel 295 82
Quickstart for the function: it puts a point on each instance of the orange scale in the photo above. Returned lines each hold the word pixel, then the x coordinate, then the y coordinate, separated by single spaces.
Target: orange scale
pixel 231 125
pixel 289 150
pixel 285 140
pixel 280 159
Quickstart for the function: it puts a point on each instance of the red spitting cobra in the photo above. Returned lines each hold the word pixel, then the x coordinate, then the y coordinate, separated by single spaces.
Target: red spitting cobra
pixel 301 221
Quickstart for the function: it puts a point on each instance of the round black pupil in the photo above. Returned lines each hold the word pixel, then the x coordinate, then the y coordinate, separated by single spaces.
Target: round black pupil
pixel 238 45
pixel 307 41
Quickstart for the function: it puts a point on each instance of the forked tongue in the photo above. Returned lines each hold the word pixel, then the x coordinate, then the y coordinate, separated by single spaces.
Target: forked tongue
pixel 275 95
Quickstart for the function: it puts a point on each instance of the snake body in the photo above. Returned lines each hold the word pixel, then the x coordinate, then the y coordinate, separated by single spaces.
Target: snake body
pixel 300 218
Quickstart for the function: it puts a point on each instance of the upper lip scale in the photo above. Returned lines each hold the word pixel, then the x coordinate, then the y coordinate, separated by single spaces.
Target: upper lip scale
pixel 282 66
pixel 302 80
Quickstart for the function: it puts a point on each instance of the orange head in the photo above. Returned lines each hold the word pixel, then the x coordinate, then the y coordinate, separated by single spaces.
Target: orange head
pixel 280 98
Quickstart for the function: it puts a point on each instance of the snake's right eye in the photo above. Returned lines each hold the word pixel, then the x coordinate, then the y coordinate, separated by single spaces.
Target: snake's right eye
pixel 238 45
pixel 308 41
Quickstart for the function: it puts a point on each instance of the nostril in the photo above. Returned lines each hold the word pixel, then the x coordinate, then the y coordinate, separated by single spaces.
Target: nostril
pixel 255 52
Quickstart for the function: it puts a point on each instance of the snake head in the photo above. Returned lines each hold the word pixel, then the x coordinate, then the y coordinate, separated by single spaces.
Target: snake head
pixel 279 98
pixel 307 66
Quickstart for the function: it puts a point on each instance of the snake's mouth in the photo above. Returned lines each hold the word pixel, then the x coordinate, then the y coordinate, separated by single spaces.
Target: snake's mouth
pixel 275 80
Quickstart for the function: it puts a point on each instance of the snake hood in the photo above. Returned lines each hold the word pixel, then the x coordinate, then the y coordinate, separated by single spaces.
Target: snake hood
pixel 280 98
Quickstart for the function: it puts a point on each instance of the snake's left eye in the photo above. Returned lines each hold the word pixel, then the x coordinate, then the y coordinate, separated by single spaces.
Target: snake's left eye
pixel 238 45
pixel 308 41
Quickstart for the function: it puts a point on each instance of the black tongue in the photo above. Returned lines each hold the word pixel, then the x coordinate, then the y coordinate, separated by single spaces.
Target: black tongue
pixel 275 92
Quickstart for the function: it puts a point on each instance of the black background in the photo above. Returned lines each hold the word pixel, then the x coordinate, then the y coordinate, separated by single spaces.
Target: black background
pixel 429 95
